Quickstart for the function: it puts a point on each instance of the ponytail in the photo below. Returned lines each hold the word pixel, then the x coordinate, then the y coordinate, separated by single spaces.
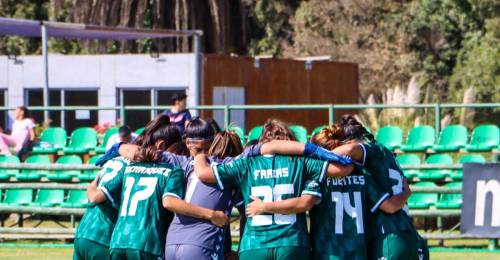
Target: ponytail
pixel 354 129
pixel 226 144
pixel 329 137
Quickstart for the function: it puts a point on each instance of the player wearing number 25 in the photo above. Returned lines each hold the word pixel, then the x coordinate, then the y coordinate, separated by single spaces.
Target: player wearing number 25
pixel 272 178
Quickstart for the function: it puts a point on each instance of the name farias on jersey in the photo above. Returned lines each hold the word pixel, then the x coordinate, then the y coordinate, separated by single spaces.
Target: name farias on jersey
pixel 345 181
pixel 147 170
pixel 271 173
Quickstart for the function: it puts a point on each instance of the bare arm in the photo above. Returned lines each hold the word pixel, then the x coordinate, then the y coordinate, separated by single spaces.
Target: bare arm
pixel 95 195
pixel 128 150
pixel 282 147
pixel 396 202
pixel 32 134
pixel 337 170
pixel 179 206
pixel 203 170
pixel 288 206
pixel 352 150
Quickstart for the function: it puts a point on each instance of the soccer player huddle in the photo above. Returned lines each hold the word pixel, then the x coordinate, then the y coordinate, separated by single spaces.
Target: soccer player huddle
pixel 170 196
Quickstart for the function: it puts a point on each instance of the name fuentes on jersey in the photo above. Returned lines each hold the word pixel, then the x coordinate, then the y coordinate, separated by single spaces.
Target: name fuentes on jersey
pixel 344 181
pixel 271 173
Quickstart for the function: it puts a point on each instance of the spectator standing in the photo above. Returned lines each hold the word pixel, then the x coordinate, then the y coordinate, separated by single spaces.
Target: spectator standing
pixel 22 132
pixel 178 114
pixel 124 135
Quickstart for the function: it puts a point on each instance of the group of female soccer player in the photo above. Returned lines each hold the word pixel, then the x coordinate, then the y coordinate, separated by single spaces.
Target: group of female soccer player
pixel 170 196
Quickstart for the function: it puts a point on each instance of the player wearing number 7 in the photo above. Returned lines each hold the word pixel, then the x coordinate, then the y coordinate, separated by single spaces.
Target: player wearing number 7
pixel 142 187
pixel 272 178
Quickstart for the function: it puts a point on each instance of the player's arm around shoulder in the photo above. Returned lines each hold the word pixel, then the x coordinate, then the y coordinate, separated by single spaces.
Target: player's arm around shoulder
pixel 289 206
pixel 203 170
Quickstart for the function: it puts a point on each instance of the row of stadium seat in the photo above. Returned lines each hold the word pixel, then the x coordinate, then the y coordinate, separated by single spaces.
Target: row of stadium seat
pixel 44 198
pixel 437 174
pixel 440 201
pixel 56 176
pixel 82 141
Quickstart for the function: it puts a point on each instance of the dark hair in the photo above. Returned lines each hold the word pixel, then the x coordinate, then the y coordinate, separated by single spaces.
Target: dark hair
pixel 329 137
pixel 354 129
pixel 198 128
pixel 214 125
pixel 251 142
pixel 178 148
pixel 226 144
pixel 275 129
pixel 152 126
pixel 26 112
pixel 124 131
pixel 178 97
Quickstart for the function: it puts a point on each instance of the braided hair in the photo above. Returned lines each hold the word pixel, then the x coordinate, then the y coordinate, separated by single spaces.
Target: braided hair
pixel 354 129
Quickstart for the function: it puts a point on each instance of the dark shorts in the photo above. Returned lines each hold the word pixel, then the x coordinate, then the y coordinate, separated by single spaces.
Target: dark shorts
pixel 276 253
pixel 89 250
pixel 397 245
pixel 132 254
pixel 181 252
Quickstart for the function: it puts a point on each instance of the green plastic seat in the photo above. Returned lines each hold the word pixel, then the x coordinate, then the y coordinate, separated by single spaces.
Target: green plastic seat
pixel 419 139
pixel 300 133
pixel 409 159
pixel 139 131
pixel 89 175
pixel 76 199
pixel 34 175
pixel 52 140
pixel 6 174
pixel 239 131
pixel 419 200
pixel 255 133
pixel 318 129
pixel 48 198
pixel 450 200
pixel 467 158
pixel 66 175
pixel 451 139
pixel 83 140
pixel 17 197
pixel 436 174
pixel 109 132
pixel 484 138
pixel 390 136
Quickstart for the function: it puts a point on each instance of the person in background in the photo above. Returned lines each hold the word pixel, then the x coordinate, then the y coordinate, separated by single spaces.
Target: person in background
pixel 22 132
pixel 178 114
pixel 124 135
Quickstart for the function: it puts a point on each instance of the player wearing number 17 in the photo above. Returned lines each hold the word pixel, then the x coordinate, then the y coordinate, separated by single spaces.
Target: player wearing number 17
pixel 272 178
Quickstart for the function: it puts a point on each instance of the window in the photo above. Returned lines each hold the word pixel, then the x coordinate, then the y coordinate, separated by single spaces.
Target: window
pixel 35 98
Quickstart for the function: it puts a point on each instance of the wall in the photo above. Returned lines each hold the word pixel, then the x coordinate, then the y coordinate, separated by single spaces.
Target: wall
pixel 282 81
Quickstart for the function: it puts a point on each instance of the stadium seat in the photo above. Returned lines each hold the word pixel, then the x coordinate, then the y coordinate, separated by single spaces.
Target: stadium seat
pixel 82 141
pixel 255 133
pixel 436 174
pixel 89 175
pixel 17 197
pixel 409 159
pixel 419 200
pixel 419 139
pixel 76 199
pixel 6 174
pixel 300 133
pixel 451 139
pixel 390 136
pixel 52 139
pixel 139 131
pixel 102 148
pixel 239 131
pixel 317 130
pixel 34 175
pixel 66 175
pixel 450 200
pixel 48 198
pixel 484 138
pixel 467 158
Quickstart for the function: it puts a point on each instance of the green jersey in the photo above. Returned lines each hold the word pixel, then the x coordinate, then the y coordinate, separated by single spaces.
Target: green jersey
pixel 380 162
pixel 338 221
pixel 142 221
pixel 99 219
pixel 273 178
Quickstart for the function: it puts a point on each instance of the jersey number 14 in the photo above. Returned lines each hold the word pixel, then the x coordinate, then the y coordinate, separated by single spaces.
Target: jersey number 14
pixel 343 203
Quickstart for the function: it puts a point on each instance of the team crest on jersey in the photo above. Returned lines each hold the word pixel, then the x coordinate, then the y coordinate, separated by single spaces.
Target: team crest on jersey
pixel 312 184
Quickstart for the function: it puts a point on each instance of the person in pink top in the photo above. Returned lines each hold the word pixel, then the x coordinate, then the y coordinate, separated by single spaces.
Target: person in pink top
pixel 22 132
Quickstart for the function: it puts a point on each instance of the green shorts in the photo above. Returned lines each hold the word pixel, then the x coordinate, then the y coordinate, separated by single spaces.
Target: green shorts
pixel 89 250
pixel 132 254
pixel 394 246
pixel 276 253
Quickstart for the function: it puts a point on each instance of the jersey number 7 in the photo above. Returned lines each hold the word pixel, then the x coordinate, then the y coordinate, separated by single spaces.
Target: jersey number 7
pixel 148 182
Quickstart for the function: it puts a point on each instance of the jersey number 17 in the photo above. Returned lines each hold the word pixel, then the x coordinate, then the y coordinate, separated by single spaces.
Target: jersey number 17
pixel 148 182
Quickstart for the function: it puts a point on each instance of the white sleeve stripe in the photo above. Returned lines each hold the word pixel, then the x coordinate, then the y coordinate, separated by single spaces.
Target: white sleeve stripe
pixel 171 195
pixel 106 193
pixel 380 201
pixel 364 154
pixel 308 192
pixel 323 172
pixel 217 177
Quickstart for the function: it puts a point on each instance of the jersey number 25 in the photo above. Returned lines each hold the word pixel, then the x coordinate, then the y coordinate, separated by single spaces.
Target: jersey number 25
pixel 270 194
